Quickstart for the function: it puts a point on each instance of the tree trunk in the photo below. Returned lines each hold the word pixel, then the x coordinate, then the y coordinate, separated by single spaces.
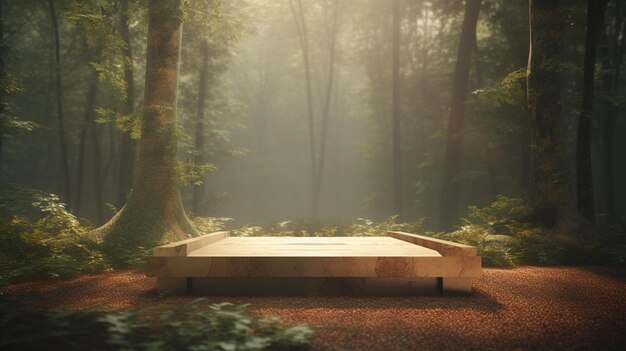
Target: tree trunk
pixel 154 212
pixel 550 197
pixel 584 173
pixel 97 169
pixel 525 157
pixel 396 114
pixel 127 144
pixel 2 79
pixel 198 190
pixel 326 111
pixel 67 196
pixel 612 52
pixel 448 210
pixel 87 121
pixel 304 43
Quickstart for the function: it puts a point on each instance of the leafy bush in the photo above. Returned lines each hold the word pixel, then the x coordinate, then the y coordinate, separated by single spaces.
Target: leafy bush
pixel 211 224
pixel 361 227
pixel 502 239
pixel 503 209
pixel 193 326
pixel 46 244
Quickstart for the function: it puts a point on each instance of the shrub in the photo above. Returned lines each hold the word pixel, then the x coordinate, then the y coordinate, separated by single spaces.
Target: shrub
pixel 193 326
pixel 504 240
pixel 46 244
pixel 361 227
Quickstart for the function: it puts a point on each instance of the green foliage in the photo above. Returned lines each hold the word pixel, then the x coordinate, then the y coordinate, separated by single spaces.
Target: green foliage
pixel 362 227
pixel 126 123
pixel 211 224
pixel 502 209
pixel 46 244
pixel 193 326
pixel 97 20
pixel 218 23
pixel 502 239
pixel 191 173
pixel 510 91
pixel 10 125
pixel 366 227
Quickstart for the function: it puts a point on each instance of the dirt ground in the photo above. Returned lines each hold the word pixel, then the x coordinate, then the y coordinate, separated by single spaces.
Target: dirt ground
pixel 525 308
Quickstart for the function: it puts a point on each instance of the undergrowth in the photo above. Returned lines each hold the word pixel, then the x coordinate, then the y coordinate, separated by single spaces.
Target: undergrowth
pixel 39 238
pixel 192 326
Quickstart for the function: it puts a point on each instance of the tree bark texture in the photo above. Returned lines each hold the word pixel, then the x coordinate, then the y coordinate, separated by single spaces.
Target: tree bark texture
pixel 584 173
pixel 396 114
pixel 87 121
pixel 198 190
pixel 549 194
pixel 449 203
pixel 611 53
pixel 3 51
pixel 154 212
pixel 127 145
pixel 65 173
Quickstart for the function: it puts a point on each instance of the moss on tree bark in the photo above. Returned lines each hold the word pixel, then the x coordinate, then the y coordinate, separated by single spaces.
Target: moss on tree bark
pixel 154 212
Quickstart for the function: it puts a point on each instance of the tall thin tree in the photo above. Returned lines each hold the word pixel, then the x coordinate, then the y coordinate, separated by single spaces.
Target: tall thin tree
pixel 198 190
pixel 2 80
pixel 304 44
pixel 88 119
pixel 611 53
pixel 584 173
pixel 127 145
pixel 330 80
pixel 396 114
pixel 449 203
pixel 59 107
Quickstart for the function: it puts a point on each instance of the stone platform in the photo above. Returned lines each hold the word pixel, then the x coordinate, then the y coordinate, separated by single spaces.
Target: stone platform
pixel 399 264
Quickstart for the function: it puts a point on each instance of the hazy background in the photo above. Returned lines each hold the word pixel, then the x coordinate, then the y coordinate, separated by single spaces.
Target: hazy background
pixel 256 122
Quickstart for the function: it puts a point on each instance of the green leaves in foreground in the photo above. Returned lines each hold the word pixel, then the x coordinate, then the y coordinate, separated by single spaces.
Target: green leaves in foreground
pixel 39 238
pixel 193 326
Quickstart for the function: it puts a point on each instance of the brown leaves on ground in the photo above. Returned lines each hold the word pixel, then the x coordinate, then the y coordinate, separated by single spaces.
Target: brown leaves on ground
pixel 522 308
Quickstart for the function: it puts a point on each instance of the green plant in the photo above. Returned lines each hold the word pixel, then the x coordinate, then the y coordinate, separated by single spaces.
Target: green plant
pixel 361 227
pixel 193 326
pixel 47 243
pixel 211 224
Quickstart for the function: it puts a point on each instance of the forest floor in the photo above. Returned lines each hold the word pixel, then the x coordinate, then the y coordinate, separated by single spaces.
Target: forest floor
pixel 521 308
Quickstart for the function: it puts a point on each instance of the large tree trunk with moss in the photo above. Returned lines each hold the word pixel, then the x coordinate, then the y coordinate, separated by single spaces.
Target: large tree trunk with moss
pixel 154 211
pixel 449 203
pixel 550 196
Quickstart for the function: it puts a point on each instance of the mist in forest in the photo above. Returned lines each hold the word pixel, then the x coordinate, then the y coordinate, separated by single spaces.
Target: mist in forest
pixel 270 178
pixel 291 110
